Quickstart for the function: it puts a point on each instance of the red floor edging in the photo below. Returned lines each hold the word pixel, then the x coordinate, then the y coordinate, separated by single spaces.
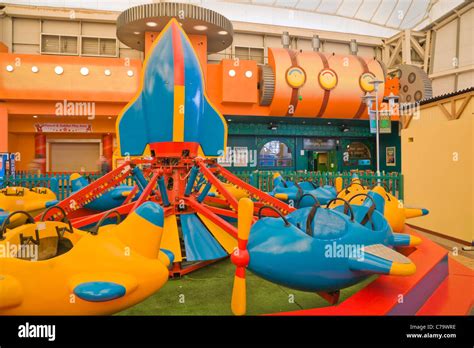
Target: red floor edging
pixel 381 296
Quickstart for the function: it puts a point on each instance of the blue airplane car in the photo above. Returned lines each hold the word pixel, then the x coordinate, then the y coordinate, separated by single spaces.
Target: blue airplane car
pixel 302 194
pixel 318 249
pixel 109 200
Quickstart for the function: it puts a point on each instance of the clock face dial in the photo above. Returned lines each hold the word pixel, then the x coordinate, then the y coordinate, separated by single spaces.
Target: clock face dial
pixel 295 77
pixel 327 79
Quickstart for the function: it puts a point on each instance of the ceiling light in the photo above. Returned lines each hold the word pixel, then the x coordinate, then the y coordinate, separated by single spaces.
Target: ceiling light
pixel 35 116
pixel 272 126
pixel 222 32
pixel 9 68
pixel 248 74
pixel 110 117
pixel 130 73
pixel 200 27
pixel 344 128
pixel 136 32
pixel 151 24
pixel 34 69
pixel 231 72
pixel 107 72
pixel 58 70
pixel 84 71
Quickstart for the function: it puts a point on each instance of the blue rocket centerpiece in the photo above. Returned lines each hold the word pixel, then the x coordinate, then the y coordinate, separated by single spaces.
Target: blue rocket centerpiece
pixel 171 105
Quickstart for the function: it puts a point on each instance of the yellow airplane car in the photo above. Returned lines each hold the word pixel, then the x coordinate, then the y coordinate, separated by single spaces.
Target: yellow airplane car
pixel 33 201
pixel 395 212
pixel 50 268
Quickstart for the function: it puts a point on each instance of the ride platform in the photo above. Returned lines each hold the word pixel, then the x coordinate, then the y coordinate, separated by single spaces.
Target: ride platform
pixel 440 286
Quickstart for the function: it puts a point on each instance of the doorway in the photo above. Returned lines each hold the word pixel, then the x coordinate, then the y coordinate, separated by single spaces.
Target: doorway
pixel 323 161
pixel 81 155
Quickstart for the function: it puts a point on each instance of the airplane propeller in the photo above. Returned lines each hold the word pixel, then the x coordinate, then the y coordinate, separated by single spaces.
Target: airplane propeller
pixel 240 257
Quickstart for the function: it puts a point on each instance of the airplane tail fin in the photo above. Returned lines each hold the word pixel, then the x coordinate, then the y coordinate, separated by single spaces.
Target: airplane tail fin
pixel 338 184
pixel 277 179
pixel 78 181
pixel 142 229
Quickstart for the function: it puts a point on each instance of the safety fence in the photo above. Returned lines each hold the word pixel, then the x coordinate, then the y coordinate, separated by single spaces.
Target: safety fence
pixel 392 182
pixel 263 180
pixel 60 183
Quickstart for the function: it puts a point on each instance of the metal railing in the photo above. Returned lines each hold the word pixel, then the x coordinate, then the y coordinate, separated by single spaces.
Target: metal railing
pixel 392 182
pixel 263 180
pixel 62 189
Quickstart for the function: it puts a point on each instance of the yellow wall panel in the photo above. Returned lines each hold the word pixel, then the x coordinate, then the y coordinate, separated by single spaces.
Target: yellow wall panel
pixel 438 169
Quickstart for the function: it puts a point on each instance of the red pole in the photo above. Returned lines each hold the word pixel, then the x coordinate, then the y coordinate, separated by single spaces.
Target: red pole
pixel 108 148
pixel 40 150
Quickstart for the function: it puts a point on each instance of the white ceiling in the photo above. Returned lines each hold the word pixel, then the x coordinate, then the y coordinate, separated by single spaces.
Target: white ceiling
pixel 382 18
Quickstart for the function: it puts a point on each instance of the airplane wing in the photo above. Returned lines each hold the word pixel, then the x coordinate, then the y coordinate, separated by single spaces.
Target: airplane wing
pixel 120 194
pixel 10 292
pixel 379 259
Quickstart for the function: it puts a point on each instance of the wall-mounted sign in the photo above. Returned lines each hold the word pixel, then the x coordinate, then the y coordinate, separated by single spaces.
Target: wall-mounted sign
pixel 63 128
pixel 319 144
pixel 356 153
pixel 390 156
pixel 385 123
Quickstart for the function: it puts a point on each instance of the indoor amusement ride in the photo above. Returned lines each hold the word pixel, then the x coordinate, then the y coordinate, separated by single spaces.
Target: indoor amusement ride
pixel 186 211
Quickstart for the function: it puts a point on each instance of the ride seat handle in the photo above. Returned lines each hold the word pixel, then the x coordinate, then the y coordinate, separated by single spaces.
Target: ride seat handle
pixel 276 211
pixel 370 211
pixel 29 220
pixel 65 219
pixel 95 230
pixel 316 200
pixel 311 215
pixel 347 206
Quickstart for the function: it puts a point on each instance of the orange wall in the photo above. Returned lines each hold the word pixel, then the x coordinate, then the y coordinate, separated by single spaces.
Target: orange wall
pixel 37 93
pixel 22 135
pixel 25 145
pixel 23 84
pixel 25 124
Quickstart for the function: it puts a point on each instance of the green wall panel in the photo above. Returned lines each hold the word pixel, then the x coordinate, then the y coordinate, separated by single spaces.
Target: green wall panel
pixel 255 135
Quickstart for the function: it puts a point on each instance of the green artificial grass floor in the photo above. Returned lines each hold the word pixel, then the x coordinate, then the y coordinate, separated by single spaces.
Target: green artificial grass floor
pixel 208 291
